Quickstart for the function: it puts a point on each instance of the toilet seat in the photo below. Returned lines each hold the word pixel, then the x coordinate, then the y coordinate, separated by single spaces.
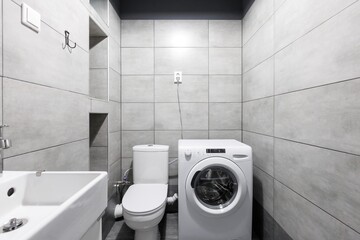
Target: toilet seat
pixel 145 199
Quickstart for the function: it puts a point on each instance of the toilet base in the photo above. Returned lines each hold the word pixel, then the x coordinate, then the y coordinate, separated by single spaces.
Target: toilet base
pixel 147 234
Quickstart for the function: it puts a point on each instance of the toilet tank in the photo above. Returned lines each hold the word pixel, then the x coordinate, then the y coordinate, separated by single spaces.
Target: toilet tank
pixel 150 164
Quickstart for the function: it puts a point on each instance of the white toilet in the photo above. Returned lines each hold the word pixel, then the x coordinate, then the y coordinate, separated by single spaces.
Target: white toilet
pixel 145 201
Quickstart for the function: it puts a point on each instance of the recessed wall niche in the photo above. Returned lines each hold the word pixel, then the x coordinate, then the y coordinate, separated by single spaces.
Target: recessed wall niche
pixel 98 54
pixel 98 142
pixel 102 9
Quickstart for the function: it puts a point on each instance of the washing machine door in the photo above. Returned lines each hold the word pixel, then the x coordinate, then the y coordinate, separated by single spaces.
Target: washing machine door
pixel 216 186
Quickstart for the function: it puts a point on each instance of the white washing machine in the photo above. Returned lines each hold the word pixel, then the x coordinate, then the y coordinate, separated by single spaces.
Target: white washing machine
pixel 215 190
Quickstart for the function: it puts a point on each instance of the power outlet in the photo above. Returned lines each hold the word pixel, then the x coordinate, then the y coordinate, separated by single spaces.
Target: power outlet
pixel 177 77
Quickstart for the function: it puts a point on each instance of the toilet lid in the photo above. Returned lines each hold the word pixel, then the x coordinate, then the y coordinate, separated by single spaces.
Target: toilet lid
pixel 144 198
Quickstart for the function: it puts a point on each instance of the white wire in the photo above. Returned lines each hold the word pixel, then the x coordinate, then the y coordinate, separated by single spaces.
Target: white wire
pixel 178 98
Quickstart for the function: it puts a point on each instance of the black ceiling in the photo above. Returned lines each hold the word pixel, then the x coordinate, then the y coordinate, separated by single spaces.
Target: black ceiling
pixel 184 9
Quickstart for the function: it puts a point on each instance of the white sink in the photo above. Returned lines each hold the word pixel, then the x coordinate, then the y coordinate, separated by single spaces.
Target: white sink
pixel 56 205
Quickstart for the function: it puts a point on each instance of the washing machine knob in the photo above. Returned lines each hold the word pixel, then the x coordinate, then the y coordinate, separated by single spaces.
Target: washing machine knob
pixel 188 155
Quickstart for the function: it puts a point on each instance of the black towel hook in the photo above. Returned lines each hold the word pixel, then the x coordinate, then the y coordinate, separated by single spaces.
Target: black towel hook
pixel 67 42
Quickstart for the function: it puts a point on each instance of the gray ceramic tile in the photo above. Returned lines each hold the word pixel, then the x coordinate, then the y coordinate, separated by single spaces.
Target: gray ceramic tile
pixel 137 61
pixel 170 138
pixel 315 60
pixel 225 116
pixel 37 112
pixel 114 22
pixel 98 52
pixel 187 60
pixel 75 21
pixel 138 116
pixel 194 115
pixel 1 41
pixel 304 16
pixel 98 83
pixel 126 163
pixel 101 8
pixel 181 33
pixel 114 147
pixel 132 138
pixel 99 106
pixel 258 14
pixel 260 47
pixel 259 81
pixel 332 180
pixel 114 55
pixel 114 116
pixel 196 134
pixel 225 88
pixel 263 151
pixel 98 158
pixel 114 85
pixel 225 33
pixel 329 121
pixel 194 88
pixel 69 157
pixel 225 60
pixel 225 134
pixel 278 4
pixel 23 57
pixel 258 116
pixel 137 33
pixel 264 189
pixel 303 220
pixel 138 88
pixel 114 175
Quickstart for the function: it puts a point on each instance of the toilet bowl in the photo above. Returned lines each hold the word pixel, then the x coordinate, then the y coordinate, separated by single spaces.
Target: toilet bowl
pixel 144 202
pixel 144 207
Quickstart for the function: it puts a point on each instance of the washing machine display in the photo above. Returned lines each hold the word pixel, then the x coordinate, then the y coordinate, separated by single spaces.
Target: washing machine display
pixel 215 186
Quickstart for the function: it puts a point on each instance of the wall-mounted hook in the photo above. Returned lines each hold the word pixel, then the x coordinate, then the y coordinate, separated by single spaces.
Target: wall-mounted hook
pixel 67 42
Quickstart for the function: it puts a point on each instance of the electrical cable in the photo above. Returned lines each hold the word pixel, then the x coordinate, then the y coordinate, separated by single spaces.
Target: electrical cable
pixel 181 123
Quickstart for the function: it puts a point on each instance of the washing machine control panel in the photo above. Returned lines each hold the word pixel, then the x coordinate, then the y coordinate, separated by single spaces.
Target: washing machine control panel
pixel 215 150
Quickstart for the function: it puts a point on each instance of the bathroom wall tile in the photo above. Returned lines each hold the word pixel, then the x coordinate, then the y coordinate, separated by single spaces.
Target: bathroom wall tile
pixel 194 115
pixel 260 47
pixel 75 21
pixel 303 220
pixel 259 81
pixel 138 88
pixel 225 33
pixel 99 106
pixel 170 138
pixel 278 4
pixel 68 157
pixel 329 121
pixel 23 57
pixel 181 33
pixel 114 116
pixel 225 134
pixel 99 52
pixel 98 86
pixel 137 33
pixel 194 88
pixel 114 147
pixel 303 16
pixel 50 116
pixel 114 22
pixel 114 55
pixel 98 158
pixel 114 85
pixel 1 97
pixel 336 176
pixel 196 134
pixel 137 61
pixel 327 54
pixel 264 189
pixel 225 116
pixel 187 60
pixel 126 163
pixel 225 60
pixel 256 17
pixel 138 116
pixel 258 116
pixel 102 10
pixel 173 173
pixel 132 138
pixel 114 175
pixel 225 88
pixel 263 151
pixel 1 41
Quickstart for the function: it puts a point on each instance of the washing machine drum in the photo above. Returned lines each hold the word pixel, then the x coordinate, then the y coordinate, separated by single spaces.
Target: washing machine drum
pixel 216 186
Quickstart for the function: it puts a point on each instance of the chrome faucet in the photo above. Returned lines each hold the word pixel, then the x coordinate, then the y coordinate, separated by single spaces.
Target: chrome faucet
pixel 4 144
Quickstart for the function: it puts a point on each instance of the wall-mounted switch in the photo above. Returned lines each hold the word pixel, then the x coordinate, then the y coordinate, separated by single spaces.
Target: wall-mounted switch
pixel 30 17
pixel 177 77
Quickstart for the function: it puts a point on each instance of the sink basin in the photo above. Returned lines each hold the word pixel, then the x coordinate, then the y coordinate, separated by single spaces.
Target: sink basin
pixel 55 205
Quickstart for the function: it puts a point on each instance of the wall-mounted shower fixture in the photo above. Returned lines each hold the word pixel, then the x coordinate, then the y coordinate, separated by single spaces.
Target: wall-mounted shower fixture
pixel 67 42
